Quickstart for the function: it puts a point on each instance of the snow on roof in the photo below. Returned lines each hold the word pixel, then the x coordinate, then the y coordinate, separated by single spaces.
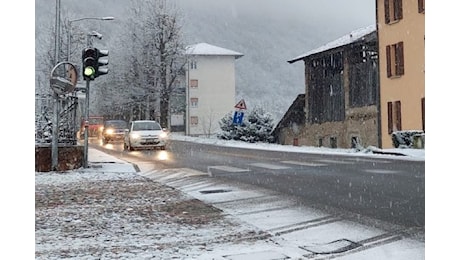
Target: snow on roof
pixel 208 49
pixel 344 40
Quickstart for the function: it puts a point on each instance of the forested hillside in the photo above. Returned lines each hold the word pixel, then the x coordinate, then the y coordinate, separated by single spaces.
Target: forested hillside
pixel 267 32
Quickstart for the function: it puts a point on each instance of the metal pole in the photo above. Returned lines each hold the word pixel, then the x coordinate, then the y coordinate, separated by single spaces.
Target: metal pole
pixel 85 155
pixel 54 140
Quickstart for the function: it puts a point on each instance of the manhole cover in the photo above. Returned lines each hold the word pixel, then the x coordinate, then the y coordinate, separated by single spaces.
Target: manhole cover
pixel 214 191
pixel 337 246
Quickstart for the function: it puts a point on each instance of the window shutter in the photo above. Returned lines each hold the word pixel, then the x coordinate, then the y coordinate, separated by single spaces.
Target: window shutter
pixel 388 54
pixel 390 117
pixel 387 11
pixel 400 58
pixel 398 10
pixel 398 115
pixel 421 7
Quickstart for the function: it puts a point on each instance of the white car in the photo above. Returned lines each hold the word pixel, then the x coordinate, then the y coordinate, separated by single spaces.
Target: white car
pixel 145 134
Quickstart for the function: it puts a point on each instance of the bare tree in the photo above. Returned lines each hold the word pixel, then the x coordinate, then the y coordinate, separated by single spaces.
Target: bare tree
pixel 156 56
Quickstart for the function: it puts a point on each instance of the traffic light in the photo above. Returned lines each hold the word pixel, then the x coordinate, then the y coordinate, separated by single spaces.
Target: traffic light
pixel 102 62
pixel 90 63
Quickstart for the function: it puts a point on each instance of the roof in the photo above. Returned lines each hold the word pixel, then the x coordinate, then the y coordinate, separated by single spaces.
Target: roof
pixel 351 37
pixel 295 114
pixel 208 49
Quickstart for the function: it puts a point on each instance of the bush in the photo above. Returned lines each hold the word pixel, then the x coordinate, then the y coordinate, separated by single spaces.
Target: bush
pixel 405 138
pixel 256 127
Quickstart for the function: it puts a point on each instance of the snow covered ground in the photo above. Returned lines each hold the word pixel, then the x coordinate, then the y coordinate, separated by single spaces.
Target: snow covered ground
pixel 110 211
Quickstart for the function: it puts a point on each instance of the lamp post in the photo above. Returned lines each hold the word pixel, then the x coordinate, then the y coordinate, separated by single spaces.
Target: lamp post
pixel 88 42
pixel 69 23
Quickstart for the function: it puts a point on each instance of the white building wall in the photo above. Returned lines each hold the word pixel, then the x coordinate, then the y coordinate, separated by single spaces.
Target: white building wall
pixel 215 92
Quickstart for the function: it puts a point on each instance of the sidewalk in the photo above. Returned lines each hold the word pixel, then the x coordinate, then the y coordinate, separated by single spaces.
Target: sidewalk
pixel 110 211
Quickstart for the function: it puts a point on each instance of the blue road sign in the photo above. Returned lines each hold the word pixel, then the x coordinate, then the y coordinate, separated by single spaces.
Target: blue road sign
pixel 238 117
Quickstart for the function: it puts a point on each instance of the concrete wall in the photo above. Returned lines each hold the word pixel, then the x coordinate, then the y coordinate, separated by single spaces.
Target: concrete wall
pixel 69 158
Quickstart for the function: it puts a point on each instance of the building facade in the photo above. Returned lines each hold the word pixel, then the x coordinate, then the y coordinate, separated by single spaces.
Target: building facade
pixel 341 86
pixel 401 39
pixel 210 90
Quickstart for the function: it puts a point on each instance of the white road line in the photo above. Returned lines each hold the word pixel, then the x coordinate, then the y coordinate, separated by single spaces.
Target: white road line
pixel 270 166
pixel 336 161
pixel 380 171
pixel 304 163
pixel 227 168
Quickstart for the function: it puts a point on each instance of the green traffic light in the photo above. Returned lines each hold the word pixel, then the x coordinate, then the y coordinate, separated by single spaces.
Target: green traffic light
pixel 89 71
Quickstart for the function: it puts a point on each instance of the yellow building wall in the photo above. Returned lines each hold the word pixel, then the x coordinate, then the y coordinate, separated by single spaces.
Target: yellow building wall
pixel 410 87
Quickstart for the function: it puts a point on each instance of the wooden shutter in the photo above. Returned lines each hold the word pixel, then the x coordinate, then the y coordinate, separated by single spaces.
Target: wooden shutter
pixel 387 11
pixel 399 58
pixel 421 6
pixel 398 10
pixel 398 115
pixel 388 54
pixel 390 117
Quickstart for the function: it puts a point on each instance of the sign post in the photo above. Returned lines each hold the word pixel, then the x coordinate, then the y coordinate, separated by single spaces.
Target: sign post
pixel 239 114
pixel 62 81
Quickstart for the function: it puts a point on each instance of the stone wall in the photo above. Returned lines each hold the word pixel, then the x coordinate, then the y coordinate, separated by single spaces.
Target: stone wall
pixel 69 158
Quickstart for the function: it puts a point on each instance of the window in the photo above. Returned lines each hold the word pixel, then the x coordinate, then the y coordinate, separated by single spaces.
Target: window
pixel 393 11
pixel 193 102
pixel 194 120
pixel 193 83
pixel 421 6
pixel 394 116
pixel 333 141
pixel 354 142
pixel 193 64
pixel 395 59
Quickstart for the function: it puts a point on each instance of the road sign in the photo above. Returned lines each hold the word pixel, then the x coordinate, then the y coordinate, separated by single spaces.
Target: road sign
pixel 63 78
pixel 238 117
pixel 241 105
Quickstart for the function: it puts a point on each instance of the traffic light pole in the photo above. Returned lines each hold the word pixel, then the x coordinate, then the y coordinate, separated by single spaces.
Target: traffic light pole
pixel 85 155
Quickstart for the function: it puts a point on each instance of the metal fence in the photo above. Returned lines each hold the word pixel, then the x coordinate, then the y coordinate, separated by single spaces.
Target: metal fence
pixel 68 114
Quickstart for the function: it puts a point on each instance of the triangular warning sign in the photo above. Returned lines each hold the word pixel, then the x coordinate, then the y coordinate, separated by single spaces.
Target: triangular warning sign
pixel 241 104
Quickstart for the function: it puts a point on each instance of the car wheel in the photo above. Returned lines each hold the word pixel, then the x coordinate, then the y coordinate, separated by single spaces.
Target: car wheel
pixel 130 147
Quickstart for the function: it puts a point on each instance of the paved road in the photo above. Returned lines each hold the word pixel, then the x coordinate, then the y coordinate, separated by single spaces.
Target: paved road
pixel 380 188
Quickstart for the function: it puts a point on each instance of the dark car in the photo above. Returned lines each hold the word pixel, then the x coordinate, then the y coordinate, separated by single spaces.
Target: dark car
pixel 113 130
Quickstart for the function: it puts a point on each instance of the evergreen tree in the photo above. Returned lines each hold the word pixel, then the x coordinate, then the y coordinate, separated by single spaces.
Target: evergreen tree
pixel 256 127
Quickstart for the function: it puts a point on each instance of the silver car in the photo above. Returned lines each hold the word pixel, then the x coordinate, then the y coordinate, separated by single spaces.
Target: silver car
pixel 145 134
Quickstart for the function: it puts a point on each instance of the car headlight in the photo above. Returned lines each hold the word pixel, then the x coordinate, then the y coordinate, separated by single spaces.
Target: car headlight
pixel 163 135
pixel 135 136
pixel 109 131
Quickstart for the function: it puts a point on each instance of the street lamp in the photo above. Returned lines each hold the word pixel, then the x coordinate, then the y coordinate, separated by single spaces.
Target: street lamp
pixel 106 18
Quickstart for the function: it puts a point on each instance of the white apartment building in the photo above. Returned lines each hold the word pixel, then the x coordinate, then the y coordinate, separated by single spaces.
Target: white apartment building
pixel 210 90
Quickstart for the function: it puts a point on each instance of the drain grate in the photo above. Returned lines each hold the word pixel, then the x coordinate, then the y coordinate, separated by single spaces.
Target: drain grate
pixel 214 191
pixel 334 247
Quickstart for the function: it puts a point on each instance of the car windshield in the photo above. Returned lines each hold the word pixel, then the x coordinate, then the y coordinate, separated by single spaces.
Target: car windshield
pixel 137 126
pixel 96 121
pixel 116 124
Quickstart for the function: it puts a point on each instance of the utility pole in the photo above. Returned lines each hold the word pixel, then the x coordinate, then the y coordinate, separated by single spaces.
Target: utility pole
pixel 55 137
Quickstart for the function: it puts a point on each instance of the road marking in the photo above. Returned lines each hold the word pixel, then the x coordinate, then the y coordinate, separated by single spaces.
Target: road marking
pixel 304 225
pixel 270 166
pixel 335 161
pixel 227 168
pixel 381 171
pixel 304 163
